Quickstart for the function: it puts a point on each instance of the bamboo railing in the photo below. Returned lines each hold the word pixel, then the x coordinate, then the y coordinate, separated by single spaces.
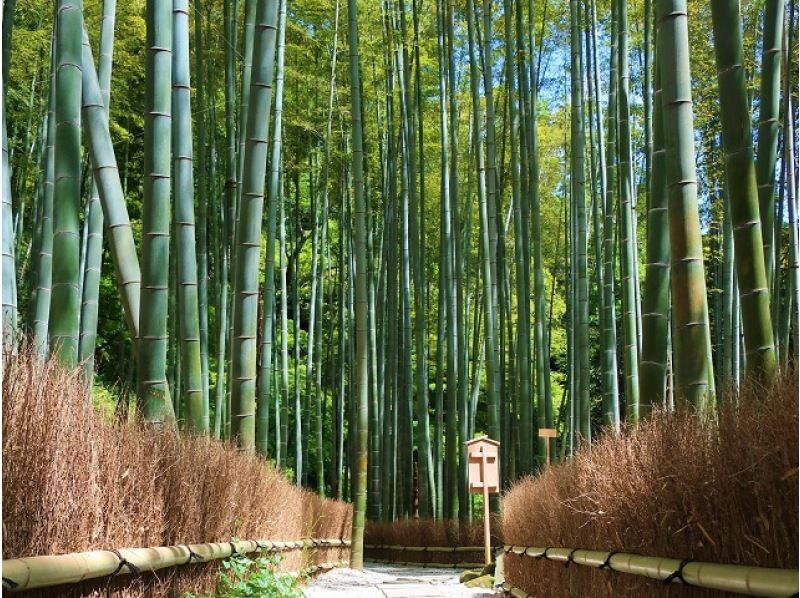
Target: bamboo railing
pixel 740 579
pixel 45 571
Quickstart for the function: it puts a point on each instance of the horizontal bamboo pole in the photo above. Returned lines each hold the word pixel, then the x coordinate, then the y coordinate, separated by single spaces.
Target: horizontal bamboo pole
pixel 44 571
pixel 427 565
pixel 740 579
pixel 424 548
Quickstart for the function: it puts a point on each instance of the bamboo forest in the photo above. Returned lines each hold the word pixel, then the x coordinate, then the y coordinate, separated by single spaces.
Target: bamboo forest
pixel 297 279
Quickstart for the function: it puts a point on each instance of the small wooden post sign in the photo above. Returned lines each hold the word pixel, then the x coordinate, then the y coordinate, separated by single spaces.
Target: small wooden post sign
pixel 484 476
pixel 547 434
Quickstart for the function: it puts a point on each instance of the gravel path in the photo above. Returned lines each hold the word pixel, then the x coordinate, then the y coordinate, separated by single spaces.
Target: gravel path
pixel 388 581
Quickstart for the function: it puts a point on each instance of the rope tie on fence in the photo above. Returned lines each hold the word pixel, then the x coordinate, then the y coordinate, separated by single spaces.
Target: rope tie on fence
pixel 123 562
pixel 678 573
pixel 192 555
pixel 260 546
pixel 234 552
pixel 10 583
pixel 607 563
pixel 544 554
pixel 570 559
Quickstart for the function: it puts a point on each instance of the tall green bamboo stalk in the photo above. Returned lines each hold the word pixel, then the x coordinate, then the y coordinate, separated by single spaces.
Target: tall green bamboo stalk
pixel 630 262
pixel 578 185
pixel 451 448
pixel 262 413
pixel 655 300
pixel 426 468
pixel 742 189
pixel 769 125
pixel 728 292
pixel 94 245
pixel 186 271
pixel 319 464
pixel 360 238
pixel 389 464
pixel 691 336
pixel 112 197
pixel 65 293
pixel 43 270
pixel 248 230
pixel 9 262
pixel 153 390
pixel 611 415
pixel 544 399
pixel 443 498
pixel 648 92
pixel 492 201
pixel 520 259
pixel 282 268
pixel 790 323
pixel 250 7
pixel 202 209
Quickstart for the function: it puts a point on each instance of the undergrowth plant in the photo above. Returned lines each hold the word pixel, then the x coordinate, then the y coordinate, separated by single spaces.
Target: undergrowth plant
pixel 243 577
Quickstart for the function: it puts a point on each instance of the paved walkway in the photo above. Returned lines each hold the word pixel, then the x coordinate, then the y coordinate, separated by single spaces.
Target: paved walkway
pixel 389 581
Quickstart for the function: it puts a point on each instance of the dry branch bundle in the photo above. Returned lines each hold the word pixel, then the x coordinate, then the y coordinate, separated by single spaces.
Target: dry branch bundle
pixel 73 481
pixel 721 489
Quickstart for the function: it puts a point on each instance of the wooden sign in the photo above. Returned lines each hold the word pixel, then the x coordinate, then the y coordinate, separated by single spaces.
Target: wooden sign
pixel 547 433
pixel 483 465
pixel 483 461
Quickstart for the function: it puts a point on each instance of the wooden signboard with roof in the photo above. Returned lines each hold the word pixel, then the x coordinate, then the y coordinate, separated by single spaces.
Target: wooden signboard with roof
pixel 483 459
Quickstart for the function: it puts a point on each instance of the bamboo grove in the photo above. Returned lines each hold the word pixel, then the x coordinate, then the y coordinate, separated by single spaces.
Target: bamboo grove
pixel 352 236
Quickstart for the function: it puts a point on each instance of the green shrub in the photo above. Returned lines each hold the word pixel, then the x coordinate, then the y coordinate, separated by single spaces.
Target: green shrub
pixel 243 577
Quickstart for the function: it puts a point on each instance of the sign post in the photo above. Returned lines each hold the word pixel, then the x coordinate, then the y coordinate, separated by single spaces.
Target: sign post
pixel 484 477
pixel 547 434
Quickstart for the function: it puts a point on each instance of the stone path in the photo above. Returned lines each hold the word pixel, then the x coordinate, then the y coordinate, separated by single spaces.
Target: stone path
pixel 390 581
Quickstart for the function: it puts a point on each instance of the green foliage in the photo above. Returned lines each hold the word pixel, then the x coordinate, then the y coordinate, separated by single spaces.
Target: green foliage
pixel 104 400
pixel 243 577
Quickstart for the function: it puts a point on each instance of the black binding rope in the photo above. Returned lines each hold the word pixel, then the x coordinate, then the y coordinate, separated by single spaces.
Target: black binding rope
pixel 192 555
pixel 544 554
pixel 260 546
pixel 10 583
pixel 678 573
pixel 123 562
pixel 234 552
pixel 570 558
pixel 507 549
pixel 607 563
